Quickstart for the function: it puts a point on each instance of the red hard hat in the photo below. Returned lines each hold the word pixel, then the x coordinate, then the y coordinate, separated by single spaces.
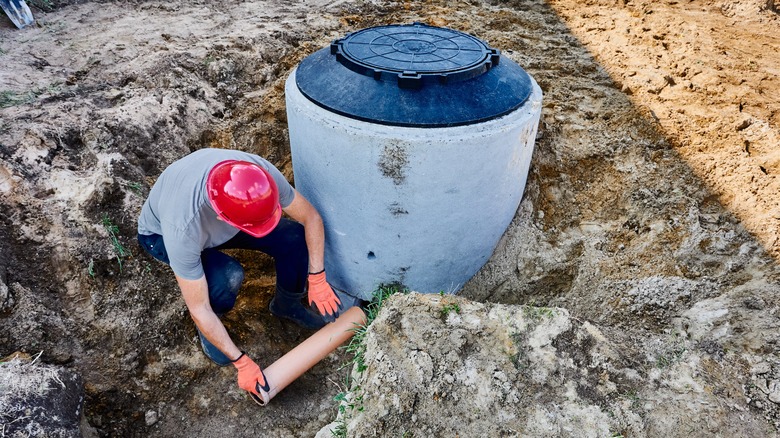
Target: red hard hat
pixel 244 195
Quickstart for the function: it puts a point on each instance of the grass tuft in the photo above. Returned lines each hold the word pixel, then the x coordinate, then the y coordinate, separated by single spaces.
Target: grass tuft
pixel 670 357
pixel 538 313
pixel 113 234
pixel 452 307
pixel 135 187
pixel 11 98
pixel 673 353
pixel 352 399
pixel 357 345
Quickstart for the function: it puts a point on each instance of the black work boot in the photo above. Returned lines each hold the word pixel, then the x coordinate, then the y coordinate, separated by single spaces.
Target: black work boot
pixel 288 305
pixel 212 352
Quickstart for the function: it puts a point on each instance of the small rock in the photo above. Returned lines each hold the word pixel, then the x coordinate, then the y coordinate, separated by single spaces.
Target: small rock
pixel 774 391
pixel 713 349
pixel 761 368
pixel 761 384
pixel 6 299
pixel 754 303
pixel 744 124
pixel 150 417
pixel 114 94
pixel 3 295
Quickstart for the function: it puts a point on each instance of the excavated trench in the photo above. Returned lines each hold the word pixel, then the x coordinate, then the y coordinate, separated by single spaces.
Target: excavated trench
pixel 615 225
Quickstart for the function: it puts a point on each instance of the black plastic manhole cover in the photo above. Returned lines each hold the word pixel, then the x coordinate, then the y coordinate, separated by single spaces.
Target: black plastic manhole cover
pixel 413 53
pixel 413 75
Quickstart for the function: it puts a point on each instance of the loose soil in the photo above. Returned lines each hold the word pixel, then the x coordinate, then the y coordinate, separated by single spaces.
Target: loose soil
pixel 653 199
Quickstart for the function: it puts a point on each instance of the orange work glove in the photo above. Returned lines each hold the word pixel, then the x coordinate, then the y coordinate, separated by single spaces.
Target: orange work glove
pixel 321 294
pixel 251 378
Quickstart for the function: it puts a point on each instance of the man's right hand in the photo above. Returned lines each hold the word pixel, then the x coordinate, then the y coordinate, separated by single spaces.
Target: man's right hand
pixel 251 378
pixel 321 294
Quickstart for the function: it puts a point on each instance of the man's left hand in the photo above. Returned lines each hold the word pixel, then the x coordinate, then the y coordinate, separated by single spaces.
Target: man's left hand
pixel 321 294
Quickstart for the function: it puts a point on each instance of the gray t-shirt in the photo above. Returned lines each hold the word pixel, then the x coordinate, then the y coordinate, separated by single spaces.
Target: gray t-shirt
pixel 179 210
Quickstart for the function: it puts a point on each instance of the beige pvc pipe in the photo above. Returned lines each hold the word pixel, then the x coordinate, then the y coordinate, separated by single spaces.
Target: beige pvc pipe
pixel 301 358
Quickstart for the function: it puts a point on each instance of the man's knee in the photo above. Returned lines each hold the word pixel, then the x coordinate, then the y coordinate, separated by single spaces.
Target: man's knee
pixel 224 282
pixel 234 276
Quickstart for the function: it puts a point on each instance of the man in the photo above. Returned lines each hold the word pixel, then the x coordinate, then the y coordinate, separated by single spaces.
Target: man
pixel 217 199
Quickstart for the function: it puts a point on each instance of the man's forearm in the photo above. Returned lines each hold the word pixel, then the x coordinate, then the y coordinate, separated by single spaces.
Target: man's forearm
pixel 211 327
pixel 315 242
pixel 302 211
pixel 196 296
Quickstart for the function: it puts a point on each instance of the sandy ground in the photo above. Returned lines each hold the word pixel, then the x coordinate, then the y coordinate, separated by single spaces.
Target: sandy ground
pixel 657 164
pixel 708 73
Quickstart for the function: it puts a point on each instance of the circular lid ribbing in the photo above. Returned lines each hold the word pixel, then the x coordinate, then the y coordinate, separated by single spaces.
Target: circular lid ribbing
pixel 411 54
pixel 413 75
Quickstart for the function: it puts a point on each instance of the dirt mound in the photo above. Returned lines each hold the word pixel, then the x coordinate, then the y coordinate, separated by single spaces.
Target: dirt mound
pixel 652 203
pixel 444 366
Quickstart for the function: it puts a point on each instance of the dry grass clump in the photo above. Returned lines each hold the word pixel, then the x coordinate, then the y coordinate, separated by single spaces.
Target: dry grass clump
pixel 22 377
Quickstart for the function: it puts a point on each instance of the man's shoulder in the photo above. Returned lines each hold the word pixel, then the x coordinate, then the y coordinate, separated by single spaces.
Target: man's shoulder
pixel 212 156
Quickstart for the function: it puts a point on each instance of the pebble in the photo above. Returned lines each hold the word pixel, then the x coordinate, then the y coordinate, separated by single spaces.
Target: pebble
pixel 150 417
pixel 762 385
pixel 6 299
pixel 774 391
pixel 761 368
